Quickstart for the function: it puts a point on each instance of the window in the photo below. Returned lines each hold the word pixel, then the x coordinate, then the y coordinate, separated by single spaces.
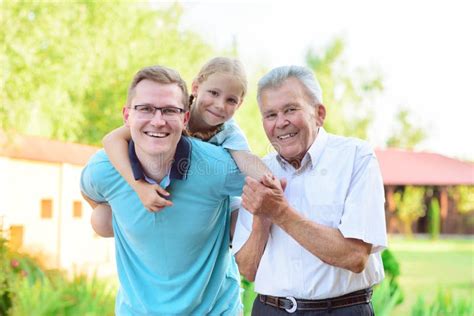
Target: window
pixel 16 236
pixel 47 208
pixel 77 209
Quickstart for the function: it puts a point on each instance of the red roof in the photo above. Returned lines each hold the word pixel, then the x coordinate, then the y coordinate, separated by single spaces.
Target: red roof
pixel 43 149
pixel 402 167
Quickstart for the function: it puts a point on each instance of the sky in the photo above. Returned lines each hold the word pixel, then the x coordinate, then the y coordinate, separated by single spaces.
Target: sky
pixel 423 49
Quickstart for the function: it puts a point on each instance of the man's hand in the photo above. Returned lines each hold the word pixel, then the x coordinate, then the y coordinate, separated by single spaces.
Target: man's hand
pixel 151 196
pixel 265 199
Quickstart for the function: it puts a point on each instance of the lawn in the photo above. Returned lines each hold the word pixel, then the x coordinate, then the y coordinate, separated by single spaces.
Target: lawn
pixel 427 266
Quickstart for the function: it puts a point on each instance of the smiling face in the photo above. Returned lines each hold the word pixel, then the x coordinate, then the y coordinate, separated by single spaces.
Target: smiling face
pixel 155 137
pixel 217 98
pixel 290 119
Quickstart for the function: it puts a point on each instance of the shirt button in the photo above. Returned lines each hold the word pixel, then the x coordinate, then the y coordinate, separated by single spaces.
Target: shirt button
pixel 324 171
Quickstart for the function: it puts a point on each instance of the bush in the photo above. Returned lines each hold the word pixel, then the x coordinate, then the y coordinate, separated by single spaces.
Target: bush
pixel 444 304
pixel 385 298
pixel 25 289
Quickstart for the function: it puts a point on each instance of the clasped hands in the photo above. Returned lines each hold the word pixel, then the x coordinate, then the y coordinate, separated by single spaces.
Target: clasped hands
pixel 265 199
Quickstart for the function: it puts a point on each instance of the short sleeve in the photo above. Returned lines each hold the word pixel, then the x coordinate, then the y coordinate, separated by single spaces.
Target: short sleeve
pixel 88 185
pixel 364 212
pixel 234 178
pixel 243 229
pixel 231 137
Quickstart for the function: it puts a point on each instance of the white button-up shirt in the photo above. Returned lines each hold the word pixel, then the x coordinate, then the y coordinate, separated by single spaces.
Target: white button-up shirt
pixel 339 185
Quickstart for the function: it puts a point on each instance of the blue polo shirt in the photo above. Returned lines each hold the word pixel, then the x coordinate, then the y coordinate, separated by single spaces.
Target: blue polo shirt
pixel 176 261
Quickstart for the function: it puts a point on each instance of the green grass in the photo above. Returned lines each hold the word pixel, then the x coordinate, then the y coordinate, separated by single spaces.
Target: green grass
pixel 427 266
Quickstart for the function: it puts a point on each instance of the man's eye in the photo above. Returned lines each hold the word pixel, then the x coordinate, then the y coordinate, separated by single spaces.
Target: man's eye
pixel 270 116
pixel 145 109
pixel 213 93
pixel 169 111
pixel 289 110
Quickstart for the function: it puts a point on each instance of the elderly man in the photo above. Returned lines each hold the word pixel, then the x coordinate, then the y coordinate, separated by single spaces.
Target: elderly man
pixel 313 248
pixel 176 261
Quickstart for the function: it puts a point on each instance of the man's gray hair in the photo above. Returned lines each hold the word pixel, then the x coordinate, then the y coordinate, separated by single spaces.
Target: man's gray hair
pixel 276 77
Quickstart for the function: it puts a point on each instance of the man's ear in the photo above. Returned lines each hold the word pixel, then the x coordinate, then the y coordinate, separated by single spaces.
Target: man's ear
pixel 320 114
pixel 187 114
pixel 126 113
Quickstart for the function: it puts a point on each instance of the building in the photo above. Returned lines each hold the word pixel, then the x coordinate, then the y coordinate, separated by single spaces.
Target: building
pixel 401 168
pixel 41 209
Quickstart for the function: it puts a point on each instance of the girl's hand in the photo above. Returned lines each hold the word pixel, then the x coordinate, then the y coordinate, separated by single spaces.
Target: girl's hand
pixel 152 196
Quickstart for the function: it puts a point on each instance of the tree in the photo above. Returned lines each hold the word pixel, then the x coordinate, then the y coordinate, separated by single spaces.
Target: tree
pixel 67 66
pixel 348 95
pixel 410 206
pixel 406 134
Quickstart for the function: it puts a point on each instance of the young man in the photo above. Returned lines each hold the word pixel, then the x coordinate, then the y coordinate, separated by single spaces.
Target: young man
pixel 176 261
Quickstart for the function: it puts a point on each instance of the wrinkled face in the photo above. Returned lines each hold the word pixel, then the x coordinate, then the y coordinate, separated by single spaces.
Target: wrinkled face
pixel 217 98
pixel 158 134
pixel 290 119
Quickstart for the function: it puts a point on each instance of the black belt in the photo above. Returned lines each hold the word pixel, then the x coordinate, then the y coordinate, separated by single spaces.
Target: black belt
pixel 290 304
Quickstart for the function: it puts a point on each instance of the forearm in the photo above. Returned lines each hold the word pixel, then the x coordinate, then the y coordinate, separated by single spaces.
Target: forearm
pixel 249 164
pixel 249 256
pixel 116 146
pixel 326 243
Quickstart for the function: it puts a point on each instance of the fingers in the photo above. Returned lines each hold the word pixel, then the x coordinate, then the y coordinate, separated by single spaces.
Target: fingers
pixel 271 182
pixel 252 183
pixel 160 190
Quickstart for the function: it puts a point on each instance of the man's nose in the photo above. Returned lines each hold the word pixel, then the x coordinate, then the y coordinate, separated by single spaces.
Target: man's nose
pixel 281 120
pixel 158 119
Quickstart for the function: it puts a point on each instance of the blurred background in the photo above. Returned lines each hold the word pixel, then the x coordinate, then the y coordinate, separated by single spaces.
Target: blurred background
pixel 397 74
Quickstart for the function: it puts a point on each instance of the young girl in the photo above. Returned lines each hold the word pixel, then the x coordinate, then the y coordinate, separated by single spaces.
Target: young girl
pixel 217 92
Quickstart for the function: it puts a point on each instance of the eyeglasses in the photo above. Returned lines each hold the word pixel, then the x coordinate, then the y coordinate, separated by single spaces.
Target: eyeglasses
pixel 147 112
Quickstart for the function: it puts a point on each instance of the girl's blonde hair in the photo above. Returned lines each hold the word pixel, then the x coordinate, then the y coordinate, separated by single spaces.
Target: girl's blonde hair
pixel 222 65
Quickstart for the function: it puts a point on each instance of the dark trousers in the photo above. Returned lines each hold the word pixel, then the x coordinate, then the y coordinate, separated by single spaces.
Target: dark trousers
pixel 364 309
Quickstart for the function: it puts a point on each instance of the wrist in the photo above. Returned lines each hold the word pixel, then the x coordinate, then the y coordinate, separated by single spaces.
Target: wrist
pixel 261 223
pixel 283 215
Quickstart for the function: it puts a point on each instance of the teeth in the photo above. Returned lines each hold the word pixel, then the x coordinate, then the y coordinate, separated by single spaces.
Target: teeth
pixel 159 135
pixel 286 136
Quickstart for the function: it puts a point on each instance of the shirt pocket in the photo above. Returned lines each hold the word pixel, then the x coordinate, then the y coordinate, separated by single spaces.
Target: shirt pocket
pixel 327 214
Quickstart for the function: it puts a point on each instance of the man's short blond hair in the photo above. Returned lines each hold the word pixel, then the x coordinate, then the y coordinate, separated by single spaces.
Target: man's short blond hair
pixel 162 75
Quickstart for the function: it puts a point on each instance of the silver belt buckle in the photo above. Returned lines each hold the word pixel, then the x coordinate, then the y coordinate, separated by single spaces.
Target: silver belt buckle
pixel 294 307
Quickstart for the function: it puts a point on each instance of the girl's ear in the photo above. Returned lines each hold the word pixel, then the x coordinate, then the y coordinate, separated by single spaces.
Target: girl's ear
pixel 194 88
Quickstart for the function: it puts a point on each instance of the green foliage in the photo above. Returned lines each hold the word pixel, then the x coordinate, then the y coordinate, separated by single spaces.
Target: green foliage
pixel 26 290
pixel 388 294
pixel 347 97
pixel 407 133
pixel 57 296
pixel 434 220
pixel 464 197
pixel 67 66
pixel 385 298
pixel 248 296
pixel 410 206
pixel 428 265
pixel 443 304
pixel 390 264
pixel 6 277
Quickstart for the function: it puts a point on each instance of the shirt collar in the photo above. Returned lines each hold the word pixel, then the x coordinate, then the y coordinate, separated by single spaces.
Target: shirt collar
pixel 179 167
pixel 312 156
